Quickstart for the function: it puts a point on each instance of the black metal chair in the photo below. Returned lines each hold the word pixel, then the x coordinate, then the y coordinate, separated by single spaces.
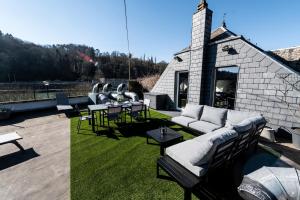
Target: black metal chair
pixel 113 113
pixel 254 138
pixel 83 118
pixel 135 111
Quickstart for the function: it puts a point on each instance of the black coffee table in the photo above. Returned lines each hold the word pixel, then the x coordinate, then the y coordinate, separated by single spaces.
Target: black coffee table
pixel 169 138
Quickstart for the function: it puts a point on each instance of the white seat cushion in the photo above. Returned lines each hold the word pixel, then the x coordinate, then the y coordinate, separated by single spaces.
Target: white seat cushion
pixel 203 126
pixel 182 120
pixel 183 152
pixel 192 111
pixel 64 107
pixel 195 154
pixel 214 115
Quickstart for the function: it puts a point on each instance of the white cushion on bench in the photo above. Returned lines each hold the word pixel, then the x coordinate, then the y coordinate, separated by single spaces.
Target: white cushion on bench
pixel 235 117
pixel 203 126
pixel 183 152
pixel 192 111
pixel 182 120
pixel 214 115
pixel 9 137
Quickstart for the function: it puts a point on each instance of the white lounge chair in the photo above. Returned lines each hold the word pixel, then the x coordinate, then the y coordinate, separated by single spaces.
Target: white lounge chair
pixel 11 138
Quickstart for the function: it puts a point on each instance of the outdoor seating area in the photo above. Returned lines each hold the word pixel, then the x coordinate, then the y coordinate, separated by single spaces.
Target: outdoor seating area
pixel 141 156
pixel 89 112
pixel 117 112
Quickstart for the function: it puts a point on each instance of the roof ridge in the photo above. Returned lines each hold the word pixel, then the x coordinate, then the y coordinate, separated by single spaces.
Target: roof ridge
pixel 293 47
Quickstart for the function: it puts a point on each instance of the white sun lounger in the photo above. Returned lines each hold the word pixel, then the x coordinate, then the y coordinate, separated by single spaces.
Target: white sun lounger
pixel 11 138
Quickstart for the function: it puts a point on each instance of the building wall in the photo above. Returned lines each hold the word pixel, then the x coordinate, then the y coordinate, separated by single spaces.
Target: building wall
pixel 260 83
pixel 166 82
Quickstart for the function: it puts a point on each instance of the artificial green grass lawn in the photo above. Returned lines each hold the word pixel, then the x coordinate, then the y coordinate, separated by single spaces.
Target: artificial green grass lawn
pixel 119 164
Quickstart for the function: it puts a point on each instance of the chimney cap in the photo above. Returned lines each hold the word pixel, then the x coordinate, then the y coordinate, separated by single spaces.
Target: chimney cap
pixel 203 4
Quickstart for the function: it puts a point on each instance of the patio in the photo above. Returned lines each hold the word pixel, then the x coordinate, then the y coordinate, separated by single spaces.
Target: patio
pixel 116 164
pixel 43 172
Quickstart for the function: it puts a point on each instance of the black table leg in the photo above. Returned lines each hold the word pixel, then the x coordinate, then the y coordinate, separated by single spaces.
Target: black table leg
pixel 162 150
pixel 187 194
pixel 100 118
pixel 89 112
pixel 93 122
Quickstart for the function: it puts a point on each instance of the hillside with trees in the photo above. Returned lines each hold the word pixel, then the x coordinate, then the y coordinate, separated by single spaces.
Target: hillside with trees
pixel 26 61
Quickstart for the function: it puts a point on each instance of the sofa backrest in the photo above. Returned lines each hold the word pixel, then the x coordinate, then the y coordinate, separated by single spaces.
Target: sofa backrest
pixel 193 111
pixel 214 115
pixel 235 117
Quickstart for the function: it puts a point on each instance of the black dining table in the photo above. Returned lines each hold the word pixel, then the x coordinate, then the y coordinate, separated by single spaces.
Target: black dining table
pixel 92 109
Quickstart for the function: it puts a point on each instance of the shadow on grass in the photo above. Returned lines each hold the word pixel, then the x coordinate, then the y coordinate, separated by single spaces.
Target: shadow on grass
pixel 17 158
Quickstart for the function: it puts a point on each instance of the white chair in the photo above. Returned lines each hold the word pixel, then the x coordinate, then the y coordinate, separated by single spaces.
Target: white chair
pixel 83 118
pixel 147 106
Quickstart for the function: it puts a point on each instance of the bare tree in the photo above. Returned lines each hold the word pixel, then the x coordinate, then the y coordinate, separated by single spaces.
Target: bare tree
pixel 288 93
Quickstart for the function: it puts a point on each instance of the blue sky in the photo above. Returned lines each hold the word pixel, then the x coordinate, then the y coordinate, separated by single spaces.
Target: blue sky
pixel 157 28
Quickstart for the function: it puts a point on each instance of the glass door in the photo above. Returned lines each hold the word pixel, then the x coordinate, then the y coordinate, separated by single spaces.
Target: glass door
pixel 182 89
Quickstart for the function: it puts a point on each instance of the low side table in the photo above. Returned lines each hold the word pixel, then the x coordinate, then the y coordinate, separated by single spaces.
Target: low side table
pixel 170 137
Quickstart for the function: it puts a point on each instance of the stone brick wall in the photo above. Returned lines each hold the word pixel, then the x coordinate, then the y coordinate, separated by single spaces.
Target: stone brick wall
pixel 166 83
pixel 261 82
pixel 200 38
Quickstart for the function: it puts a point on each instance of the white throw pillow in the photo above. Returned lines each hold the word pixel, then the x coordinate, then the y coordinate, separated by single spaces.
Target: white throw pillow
pixel 214 115
pixel 192 110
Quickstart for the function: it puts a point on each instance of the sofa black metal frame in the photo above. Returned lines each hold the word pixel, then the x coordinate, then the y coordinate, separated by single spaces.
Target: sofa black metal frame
pixel 223 156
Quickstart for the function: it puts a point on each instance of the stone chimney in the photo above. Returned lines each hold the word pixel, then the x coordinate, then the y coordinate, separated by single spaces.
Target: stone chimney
pixel 201 31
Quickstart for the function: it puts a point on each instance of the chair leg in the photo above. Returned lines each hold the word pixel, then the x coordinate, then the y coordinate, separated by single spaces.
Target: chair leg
pixel 78 126
pixel 157 170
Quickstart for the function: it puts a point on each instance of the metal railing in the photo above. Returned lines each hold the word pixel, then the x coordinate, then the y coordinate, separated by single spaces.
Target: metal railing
pixel 37 94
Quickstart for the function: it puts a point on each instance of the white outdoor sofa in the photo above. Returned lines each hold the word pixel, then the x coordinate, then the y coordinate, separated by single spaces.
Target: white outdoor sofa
pixel 217 126
pixel 224 135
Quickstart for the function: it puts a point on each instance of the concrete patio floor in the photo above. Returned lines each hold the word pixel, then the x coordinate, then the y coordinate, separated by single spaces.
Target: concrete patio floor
pixel 43 172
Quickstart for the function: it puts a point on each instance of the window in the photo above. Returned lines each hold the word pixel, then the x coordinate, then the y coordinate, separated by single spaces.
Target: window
pixel 225 87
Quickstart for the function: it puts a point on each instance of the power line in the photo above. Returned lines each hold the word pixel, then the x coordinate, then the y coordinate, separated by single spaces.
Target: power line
pixel 128 46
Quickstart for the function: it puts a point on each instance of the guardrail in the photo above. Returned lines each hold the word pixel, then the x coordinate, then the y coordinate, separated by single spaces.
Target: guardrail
pixel 7 96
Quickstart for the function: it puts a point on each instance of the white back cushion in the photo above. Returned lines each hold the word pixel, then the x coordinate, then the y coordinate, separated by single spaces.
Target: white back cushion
pixel 235 117
pixel 208 144
pixel 214 115
pixel 192 111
